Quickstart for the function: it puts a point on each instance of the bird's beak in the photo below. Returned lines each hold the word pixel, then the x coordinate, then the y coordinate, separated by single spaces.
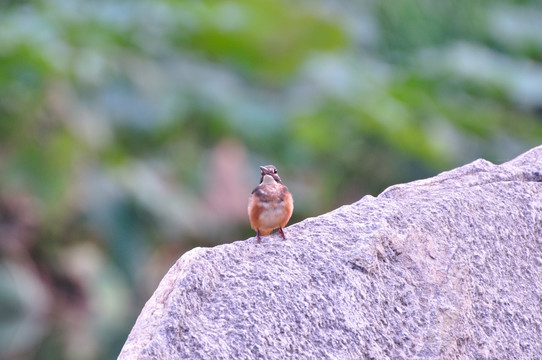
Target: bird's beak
pixel 264 170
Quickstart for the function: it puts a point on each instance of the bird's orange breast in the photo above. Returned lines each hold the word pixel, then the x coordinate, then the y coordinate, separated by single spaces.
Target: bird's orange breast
pixel 270 207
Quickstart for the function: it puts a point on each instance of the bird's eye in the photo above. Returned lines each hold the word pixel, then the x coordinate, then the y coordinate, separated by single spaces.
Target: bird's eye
pixel 275 171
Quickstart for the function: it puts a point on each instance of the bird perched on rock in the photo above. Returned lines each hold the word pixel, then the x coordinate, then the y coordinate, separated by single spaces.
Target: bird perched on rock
pixel 270 205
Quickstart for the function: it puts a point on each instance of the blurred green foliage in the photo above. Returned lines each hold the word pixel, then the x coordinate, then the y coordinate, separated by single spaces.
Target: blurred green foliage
pixel 131 131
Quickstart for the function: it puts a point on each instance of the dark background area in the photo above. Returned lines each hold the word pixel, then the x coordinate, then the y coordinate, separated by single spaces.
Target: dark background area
pixel 132 131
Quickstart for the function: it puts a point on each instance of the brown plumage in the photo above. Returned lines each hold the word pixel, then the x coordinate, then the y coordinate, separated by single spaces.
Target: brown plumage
pixel 270 205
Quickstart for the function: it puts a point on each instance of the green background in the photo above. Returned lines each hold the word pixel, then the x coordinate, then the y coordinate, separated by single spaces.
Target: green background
pixel 132 131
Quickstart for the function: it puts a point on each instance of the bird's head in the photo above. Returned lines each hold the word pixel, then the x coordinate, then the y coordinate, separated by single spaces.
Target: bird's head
pixel 270 174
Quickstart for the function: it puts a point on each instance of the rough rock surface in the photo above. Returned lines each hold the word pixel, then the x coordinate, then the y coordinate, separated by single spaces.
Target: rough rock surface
pixel 443 268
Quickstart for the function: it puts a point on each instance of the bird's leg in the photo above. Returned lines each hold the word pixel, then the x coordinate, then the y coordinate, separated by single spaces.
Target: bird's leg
pixel 258 236
pixel 282 233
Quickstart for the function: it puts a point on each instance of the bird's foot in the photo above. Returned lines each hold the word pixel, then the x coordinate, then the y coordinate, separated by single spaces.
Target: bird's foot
pixel 282 233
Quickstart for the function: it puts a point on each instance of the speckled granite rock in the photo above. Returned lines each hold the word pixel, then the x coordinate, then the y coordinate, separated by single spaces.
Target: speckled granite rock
pixel 442 268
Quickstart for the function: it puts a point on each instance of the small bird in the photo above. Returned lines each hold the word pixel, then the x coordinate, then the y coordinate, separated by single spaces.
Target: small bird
pixel 270 205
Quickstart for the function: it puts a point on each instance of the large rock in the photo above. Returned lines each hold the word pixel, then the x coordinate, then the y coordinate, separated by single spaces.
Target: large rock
pixel 442 268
